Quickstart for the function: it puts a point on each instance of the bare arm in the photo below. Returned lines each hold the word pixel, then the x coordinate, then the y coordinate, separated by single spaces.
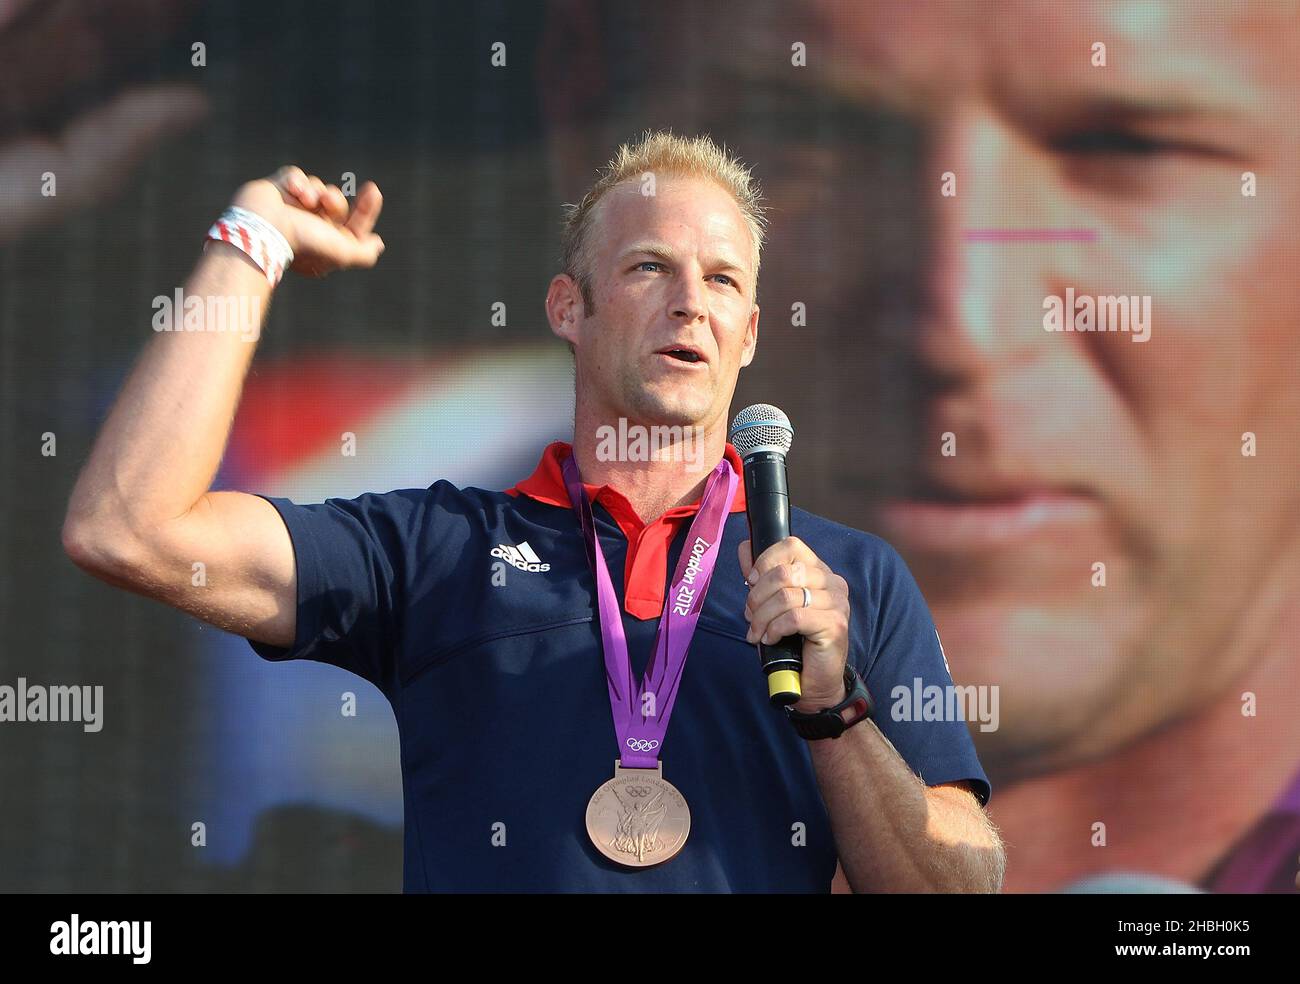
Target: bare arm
pixel 141 514
pixel 894 833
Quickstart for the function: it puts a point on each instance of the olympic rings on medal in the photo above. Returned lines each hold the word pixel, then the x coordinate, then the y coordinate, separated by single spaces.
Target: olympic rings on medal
pixel 638 791
pixel 643 744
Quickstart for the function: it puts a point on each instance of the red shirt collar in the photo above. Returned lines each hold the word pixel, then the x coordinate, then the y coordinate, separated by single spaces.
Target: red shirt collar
pixel 546 484
pixel 646 569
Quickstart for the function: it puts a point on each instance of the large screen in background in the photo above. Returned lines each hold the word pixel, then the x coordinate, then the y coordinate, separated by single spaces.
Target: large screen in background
pixel 1026 296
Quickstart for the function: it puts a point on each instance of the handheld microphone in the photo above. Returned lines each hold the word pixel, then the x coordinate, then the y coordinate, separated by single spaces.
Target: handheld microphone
pixel 762 435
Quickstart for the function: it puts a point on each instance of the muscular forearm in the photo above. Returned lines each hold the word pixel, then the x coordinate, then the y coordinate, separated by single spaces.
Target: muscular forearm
pixel 164 438
pixel 895 834
pixel 160 448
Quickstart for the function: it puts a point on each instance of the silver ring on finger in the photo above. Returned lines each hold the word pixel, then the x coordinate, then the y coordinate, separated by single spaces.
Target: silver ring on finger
pixel 807 597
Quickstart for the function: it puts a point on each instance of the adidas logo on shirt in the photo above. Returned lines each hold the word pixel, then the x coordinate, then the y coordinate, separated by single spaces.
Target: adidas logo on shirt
pixel 521 556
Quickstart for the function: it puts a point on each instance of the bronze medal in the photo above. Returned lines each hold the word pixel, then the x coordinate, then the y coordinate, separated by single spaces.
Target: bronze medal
pixel 638 818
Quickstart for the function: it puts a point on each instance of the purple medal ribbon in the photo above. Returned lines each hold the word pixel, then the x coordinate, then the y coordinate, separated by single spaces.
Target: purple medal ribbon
pixel 1263 860
pixel 640 737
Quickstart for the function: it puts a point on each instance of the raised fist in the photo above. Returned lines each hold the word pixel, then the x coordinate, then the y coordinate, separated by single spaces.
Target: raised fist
pixel 314 217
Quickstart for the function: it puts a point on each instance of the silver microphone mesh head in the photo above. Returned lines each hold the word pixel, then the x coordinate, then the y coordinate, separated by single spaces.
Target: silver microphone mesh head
pixel 761 427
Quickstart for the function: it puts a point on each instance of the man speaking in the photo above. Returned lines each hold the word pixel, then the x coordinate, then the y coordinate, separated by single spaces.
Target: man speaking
pixel 572 662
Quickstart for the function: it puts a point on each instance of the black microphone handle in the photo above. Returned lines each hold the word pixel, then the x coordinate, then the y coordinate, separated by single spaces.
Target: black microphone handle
pixel 767 500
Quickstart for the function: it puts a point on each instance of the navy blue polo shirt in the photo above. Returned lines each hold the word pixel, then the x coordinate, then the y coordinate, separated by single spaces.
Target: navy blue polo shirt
pixel 473 611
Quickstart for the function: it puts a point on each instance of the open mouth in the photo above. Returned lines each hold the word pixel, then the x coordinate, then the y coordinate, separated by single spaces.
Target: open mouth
pixel 682 355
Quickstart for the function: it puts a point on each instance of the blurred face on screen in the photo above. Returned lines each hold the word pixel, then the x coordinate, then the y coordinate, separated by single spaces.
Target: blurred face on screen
pixel 672 270
pixel 1004 460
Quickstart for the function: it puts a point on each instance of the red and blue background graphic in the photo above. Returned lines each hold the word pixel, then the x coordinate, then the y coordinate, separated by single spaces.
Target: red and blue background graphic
pixel 891 315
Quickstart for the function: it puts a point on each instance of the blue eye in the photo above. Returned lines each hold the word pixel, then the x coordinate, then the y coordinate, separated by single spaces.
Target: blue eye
pixel 656 263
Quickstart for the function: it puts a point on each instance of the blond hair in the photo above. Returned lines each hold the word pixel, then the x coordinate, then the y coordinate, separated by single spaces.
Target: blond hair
pixel 660 153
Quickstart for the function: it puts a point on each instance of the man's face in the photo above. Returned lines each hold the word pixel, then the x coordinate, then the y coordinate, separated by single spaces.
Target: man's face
pixel 1068 450
pixel 672 270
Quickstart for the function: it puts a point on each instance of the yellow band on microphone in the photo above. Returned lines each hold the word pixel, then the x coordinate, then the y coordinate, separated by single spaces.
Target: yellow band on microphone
pixel 783 687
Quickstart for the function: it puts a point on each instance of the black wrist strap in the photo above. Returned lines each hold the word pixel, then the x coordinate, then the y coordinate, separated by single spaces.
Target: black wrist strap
pixel 831 722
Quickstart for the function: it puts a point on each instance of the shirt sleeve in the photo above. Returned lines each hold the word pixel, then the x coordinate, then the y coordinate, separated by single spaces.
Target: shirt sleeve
pixel 350 559
pixel 917 706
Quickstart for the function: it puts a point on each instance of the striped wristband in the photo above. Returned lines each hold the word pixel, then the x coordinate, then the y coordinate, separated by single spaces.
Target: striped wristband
pixel 249 232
